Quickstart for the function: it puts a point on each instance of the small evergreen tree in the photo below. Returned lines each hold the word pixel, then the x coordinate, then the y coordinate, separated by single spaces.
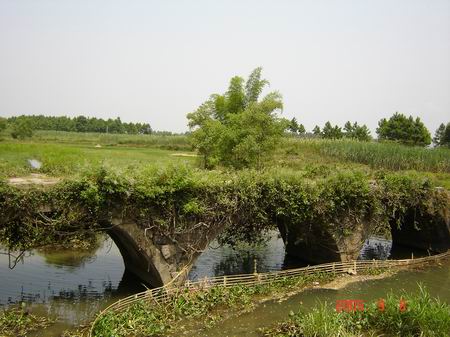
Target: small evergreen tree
pixel 316 131
pixel 293 125
pixel 301 129
pixel 439 135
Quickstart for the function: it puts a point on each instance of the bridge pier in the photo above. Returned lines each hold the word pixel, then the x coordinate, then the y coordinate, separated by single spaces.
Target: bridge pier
pixel 142 257
pixel 156 258
pixel 422 232
pixel 319 244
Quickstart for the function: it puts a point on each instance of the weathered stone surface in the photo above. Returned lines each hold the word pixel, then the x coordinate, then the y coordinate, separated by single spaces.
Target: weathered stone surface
pixel 316 243
pixel 422 232
pixel 168 251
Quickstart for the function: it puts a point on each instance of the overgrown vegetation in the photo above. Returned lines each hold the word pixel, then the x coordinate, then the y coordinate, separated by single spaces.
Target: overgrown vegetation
pixel 211 305
pixel 238 129
pixel 424 316
pixel 388 156
pixel 17 322
pixel 80 124
pixel 245 203
pixel 406 130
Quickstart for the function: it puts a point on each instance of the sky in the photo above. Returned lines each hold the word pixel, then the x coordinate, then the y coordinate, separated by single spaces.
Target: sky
pixel 156 61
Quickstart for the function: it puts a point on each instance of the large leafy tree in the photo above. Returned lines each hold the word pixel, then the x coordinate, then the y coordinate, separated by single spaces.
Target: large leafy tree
pixel 406 130
pixel 238 129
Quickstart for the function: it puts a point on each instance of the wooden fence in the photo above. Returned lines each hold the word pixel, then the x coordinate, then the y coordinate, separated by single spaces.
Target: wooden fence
pixel 163 294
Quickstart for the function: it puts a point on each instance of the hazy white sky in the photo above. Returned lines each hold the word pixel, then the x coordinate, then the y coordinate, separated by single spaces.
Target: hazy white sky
pixel 155 61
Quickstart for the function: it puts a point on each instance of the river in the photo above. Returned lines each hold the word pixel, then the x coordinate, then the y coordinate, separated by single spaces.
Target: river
pixel 72 286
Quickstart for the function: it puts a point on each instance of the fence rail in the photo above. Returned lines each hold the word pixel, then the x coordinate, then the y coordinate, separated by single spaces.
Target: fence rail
pixel 163 294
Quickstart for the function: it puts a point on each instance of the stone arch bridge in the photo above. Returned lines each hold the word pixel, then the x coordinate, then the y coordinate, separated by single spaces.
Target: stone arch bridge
pixel 157 257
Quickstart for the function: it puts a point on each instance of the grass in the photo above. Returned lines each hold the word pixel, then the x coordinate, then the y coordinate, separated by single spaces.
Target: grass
pixel 69 159
pixel 17 322
pixel 195 310
pixel 320 157
pixel 424 316
pixel 389 156
pixel 168 142
pixel 67 153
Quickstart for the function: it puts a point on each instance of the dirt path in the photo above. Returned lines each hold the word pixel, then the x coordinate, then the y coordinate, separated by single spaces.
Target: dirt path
pixel 33 179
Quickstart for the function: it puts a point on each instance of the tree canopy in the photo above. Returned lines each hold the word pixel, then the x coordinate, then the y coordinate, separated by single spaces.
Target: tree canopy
pixel 238 128
pixel 442 135
pixel 296 128
pixel 3 124
pixel 81 124
pixel 22 129
pixel 406 130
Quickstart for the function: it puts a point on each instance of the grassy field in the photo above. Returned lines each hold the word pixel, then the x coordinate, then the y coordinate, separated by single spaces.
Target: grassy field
pixel 66 153
pixel 69 159
pixel 168 142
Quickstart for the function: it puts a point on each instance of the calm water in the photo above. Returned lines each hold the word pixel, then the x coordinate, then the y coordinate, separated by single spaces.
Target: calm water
pixel 435 279
pixel 73 286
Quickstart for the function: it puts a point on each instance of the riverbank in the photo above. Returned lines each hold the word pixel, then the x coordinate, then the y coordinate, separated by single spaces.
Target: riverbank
pixel 403 314
pixel 179 309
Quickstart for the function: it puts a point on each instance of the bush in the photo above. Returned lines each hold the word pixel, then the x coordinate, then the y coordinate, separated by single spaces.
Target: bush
pixel 21 130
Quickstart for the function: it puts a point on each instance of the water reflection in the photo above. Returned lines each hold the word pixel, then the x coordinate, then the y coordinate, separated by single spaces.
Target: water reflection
pixel 73 285
pixel 70 276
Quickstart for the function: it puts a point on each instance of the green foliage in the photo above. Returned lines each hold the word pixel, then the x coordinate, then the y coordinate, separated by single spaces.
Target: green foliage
pixel 237 129
pixel 244 204
pixel 210 304
pixel 389 156
pixel 358 132
pixel 317 131
pixel 331 132
pixel 3 124
pixel 442 135
pixel 16 322
pixel 82 124
pixel 424 316
pixel 296 128
pixel 73 160
pixel 405 130
pixel 22 129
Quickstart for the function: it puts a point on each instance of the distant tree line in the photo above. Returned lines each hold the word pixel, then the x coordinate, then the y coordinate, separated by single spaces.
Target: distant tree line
pixel 79 124
pixel 351 130
pixel 398 128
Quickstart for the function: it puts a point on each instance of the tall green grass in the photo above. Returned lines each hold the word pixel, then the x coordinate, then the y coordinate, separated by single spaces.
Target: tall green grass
pixel 424 316
pixel 391 156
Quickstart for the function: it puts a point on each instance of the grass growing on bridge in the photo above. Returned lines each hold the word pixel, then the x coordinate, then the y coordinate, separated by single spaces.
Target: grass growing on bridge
pixel 424 316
